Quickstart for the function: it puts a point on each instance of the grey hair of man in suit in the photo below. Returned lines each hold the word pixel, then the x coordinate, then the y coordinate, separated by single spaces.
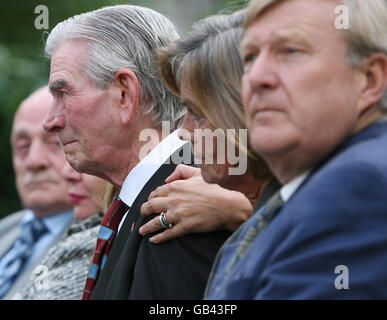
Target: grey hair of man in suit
pixel 124 37
pixel 106 89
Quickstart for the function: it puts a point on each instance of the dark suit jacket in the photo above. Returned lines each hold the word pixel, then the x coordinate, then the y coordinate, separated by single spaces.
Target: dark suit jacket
pixel 138 269
pixel 338 217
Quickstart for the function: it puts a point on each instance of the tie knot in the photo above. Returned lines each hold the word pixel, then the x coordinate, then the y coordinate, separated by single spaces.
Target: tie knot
pixel 278 199
pixel 274 204
pixel 33 230
pixel 114 215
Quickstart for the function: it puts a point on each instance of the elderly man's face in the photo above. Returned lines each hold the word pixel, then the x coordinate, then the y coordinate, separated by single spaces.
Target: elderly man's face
pixel 38 159
pixel 81 113
pixel 299 93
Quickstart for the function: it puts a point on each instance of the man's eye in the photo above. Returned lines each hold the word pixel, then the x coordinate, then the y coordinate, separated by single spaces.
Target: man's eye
pixel 23 146
pixel 291 50
pixel 22 149
pixel 55 143
pixel 59 94
pixel 249 58
pixel 20 145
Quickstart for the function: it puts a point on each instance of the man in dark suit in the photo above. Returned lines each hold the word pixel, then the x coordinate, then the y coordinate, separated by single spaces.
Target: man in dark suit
pixel 38 160
pixel 315 101
pixel 108 110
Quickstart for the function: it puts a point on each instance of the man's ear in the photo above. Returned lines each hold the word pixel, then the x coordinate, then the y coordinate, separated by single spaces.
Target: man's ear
pixel 374 70
pixel 126 82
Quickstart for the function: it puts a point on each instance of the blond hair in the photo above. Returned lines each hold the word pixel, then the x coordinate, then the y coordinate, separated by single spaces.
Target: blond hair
pixel 109 192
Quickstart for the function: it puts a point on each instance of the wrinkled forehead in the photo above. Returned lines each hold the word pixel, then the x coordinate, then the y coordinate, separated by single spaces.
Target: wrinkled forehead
pixel 67 62
pixel 27 129
pixel 29 118
pixel 294 19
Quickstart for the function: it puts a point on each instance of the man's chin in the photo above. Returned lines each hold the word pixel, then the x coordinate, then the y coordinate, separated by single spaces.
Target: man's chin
pixel 85 167
pixel 273 143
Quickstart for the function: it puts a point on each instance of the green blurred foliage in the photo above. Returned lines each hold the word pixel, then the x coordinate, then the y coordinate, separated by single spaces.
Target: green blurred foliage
pixel 23 68
pixel 229 6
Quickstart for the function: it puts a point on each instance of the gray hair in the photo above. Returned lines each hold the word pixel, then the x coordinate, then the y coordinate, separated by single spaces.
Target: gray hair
pixel 366 34
pixel 124 36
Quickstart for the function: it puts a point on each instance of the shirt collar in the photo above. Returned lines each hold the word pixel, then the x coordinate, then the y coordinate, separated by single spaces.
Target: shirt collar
pixel 147 167
pixel 55 223
pixel 291 187
pixel 29 216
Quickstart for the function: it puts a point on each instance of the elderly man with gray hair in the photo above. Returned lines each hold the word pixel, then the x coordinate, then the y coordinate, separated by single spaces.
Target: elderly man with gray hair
pixel 107 98
pixel 315 104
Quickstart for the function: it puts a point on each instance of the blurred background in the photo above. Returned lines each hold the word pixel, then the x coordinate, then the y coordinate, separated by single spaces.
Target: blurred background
pixel 23 68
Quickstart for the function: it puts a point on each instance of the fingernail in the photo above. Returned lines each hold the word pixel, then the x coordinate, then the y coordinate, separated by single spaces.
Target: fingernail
pixel 151 239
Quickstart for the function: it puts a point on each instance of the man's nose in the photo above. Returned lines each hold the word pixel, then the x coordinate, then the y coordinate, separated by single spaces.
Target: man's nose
pixel 54 121
pixel 263 73
pixel 187 128
pixel 37 158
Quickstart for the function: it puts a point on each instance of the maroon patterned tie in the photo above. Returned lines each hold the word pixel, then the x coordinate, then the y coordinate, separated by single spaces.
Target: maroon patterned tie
pixel 107 233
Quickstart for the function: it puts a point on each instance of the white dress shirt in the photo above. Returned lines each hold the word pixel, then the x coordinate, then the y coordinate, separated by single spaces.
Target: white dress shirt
pixel 291 187
pixel 147 167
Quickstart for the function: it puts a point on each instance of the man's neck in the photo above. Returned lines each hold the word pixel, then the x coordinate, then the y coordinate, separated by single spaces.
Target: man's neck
pixel 138 150
pixel 368 118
